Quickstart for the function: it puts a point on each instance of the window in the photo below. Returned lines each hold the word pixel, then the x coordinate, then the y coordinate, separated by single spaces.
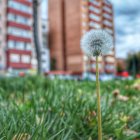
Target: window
pixel 84 23
pixel 28 46
pixel 11 44
pixel 95 25
pixel 11 17
pixel 106 22
pixel 95 9
pixel 20 45
pixel 92 16
pixel 95 2
pixel 94 66
pixel 19 19
pixel 109 67
pixel 107 16
pixel 110 59
pixel 25 59
pixel 15 58
pixel 84 15
pixel 19 6
pixel 109 31
pixel 107 9
pixel 107 2
pixel 19 32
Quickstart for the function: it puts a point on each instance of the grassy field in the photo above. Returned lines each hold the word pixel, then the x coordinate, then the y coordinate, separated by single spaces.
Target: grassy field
pixel 39 109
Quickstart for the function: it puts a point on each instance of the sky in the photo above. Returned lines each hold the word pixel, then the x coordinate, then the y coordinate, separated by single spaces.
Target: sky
pixel 127 25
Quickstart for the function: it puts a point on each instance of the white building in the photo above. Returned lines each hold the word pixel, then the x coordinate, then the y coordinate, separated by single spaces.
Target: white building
pixel 44 48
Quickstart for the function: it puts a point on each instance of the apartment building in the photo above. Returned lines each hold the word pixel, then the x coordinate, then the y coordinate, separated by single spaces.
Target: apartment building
pixel 16 39
pixel 69 20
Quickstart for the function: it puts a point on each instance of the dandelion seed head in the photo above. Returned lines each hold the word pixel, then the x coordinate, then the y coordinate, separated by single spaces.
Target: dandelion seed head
pixel 96 42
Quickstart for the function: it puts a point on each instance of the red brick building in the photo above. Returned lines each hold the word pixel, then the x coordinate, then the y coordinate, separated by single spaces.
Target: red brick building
pixel 69 20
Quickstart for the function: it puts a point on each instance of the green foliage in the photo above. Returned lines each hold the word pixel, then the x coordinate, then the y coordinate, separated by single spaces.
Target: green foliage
pixel 53 64
pixel 133 63
pixel 66 110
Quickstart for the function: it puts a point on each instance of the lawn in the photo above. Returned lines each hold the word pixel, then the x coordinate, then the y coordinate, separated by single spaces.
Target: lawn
pixel 40 109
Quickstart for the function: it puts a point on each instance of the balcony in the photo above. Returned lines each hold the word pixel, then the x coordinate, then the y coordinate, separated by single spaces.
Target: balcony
pixel 18 12
pixel 18 25
pixel 17 62
pixel 107 12
pixel 95 5
pixel 109 5
pixel 18 38
pixel 27 3
pixel 19 51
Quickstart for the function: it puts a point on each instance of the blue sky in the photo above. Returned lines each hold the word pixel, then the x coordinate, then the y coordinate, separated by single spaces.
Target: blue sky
pixel 127 25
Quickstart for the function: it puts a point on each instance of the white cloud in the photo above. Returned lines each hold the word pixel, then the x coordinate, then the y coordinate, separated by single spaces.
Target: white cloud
pixel 127 26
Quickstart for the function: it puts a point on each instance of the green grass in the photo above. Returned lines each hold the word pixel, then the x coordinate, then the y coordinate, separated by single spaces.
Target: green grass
pixel 66 110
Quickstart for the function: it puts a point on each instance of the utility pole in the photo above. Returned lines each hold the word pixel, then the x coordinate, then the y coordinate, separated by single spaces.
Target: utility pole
pixel 36 4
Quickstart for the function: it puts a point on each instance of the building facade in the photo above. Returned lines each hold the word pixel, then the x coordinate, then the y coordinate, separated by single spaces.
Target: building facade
pixel 69 20
pixel 3 31
pixel 45 53
pixel 16 34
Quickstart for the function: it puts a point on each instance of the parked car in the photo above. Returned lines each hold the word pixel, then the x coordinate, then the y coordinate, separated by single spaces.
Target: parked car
pixel 123 76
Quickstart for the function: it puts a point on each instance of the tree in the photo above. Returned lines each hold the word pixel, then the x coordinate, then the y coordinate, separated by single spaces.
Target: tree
pixel 133 63
pixel 36 3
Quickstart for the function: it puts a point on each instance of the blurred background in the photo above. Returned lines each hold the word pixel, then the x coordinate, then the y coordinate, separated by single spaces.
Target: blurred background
pixel 43 36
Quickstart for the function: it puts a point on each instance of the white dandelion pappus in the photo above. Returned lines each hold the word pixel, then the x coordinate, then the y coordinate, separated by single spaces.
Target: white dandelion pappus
pixel 96 42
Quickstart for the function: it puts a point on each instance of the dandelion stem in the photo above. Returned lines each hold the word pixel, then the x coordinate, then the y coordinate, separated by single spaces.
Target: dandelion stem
pixel 98 101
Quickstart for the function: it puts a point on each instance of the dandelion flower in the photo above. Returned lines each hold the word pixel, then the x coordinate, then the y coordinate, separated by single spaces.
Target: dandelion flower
pixel 96 42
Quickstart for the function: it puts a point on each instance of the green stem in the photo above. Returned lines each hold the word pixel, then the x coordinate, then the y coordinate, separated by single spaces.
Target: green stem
pixel 98 101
